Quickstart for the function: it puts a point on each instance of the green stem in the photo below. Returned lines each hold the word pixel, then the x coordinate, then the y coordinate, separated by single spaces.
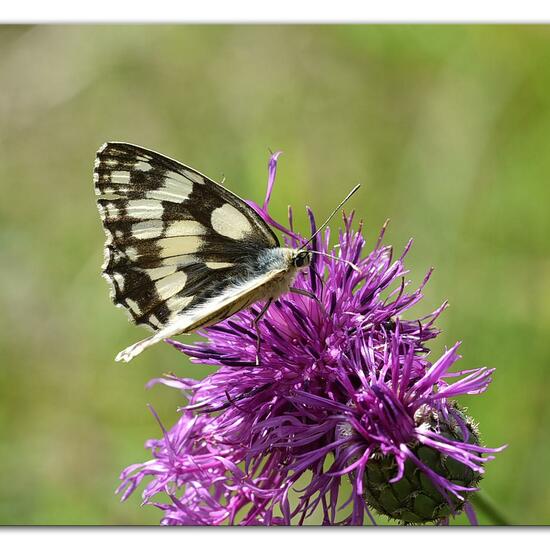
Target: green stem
pixel 485 504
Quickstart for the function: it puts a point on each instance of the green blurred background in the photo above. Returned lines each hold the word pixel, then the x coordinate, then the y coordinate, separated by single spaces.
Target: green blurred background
pixel 446 127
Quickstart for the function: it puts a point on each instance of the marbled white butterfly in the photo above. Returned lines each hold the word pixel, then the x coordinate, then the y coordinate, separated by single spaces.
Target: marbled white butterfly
pixel 182 251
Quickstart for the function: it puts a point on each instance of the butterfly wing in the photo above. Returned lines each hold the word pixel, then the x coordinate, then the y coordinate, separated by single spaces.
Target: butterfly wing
pixel 175 238
pixel 221 306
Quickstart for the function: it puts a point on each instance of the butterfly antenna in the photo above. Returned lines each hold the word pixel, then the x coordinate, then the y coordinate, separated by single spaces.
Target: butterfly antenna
pixel 351 264
pixel 331 216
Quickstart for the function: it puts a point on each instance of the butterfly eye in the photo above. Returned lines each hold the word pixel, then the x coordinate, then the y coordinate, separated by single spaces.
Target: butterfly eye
pixel 302 259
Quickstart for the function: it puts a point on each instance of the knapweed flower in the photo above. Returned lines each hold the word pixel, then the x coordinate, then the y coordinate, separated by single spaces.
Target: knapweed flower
pixel 344 413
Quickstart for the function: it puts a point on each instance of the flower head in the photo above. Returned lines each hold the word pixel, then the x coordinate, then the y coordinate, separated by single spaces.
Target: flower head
pixel 344 408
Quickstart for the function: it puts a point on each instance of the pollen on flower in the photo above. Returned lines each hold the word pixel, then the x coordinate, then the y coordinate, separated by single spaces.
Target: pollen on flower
pixel 344 414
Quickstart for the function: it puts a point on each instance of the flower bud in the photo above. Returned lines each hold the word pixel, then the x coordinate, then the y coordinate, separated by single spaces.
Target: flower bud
pixel 415 498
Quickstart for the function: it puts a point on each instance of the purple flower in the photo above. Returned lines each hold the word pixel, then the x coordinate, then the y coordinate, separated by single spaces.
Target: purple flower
pixel 344 413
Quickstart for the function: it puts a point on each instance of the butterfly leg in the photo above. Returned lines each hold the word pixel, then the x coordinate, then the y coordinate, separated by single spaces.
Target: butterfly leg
pixel 255 324
pixel 202 408
pixel 307 294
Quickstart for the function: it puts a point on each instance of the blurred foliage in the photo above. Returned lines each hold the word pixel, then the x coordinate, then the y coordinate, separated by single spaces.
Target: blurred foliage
pixel 446 127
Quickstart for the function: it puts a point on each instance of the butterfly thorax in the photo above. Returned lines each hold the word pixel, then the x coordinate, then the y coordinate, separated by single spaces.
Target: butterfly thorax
pixel 283 261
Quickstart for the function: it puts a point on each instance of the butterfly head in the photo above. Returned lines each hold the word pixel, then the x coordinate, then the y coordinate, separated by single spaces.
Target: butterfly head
pixel 302 259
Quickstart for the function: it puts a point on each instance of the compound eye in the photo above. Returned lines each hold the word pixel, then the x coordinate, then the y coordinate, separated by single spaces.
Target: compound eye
pixel 302 259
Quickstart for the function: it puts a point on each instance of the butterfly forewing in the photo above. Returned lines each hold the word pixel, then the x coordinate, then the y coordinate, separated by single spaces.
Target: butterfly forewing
pixel 175 238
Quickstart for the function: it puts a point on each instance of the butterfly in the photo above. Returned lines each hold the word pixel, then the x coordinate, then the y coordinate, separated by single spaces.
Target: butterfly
pixel 182 252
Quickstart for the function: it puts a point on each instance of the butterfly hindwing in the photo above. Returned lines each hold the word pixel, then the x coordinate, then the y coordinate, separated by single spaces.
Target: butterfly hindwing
pixel 175 238
pixel 233 298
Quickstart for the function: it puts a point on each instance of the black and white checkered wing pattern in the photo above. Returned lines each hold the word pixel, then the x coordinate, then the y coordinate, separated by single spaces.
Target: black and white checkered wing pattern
pixel 175 238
